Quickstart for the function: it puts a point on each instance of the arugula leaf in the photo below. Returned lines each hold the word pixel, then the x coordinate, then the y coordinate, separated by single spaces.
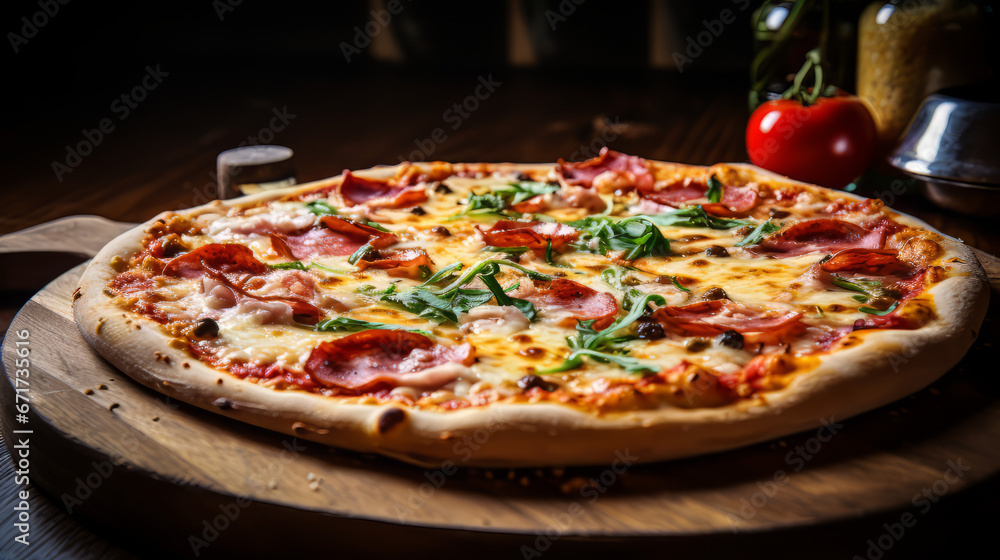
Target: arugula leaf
pixel 873 311
pixel 297 265
pixel 524 306
pixel 370 290
pixel 694 216
pixel 511 250
pixel 347 324
pixel 361 252
pixel 587 342
pixel 758 233
pixel 377 226
pixel 631 365
pixel 679 286
pixel 294 265
pixel 446 304
pixel 714 192
pixel 870 288
pixel 498 200
pixel 636 236
pixel 423 303
pixel 321 208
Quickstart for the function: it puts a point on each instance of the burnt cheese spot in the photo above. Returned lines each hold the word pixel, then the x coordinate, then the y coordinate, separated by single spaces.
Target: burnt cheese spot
pixel 531 381
pixel 534 352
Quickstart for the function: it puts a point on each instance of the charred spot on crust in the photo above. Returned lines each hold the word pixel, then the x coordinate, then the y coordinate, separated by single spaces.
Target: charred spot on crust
pixel 716 251
pixel 223 403
pixel 730 338
pixel 390 418
pixel 531 381
pixel 76 294
pixel 206 327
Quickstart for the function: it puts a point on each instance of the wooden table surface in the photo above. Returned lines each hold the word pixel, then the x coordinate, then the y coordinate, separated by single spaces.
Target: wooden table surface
pixel 162 157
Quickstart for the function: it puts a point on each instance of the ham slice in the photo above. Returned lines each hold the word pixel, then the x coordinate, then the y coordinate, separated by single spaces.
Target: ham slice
pixel 375 358
pixel 823 235
pixel 340 237
pixel 607 172
pixel 535 235
pixel 710 318
pixel 379 194
pixel 735 200
pixel 235 265
pixel 575 300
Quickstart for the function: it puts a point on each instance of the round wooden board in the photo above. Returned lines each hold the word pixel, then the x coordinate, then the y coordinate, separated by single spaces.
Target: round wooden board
pixel 197 483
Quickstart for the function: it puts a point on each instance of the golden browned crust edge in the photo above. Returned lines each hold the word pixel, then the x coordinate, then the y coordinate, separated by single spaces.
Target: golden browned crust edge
pixel 886 366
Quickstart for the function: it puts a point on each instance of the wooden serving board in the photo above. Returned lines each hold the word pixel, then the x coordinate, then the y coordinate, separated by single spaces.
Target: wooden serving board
pixel 194 483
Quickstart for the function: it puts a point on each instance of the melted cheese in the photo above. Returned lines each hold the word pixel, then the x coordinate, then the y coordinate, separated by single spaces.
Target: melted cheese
pixel 507 346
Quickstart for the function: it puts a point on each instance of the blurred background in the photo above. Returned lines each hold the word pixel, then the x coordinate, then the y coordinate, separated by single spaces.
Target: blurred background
pixel 120 108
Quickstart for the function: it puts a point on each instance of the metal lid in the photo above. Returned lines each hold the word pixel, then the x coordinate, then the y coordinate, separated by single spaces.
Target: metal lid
pixel 954 135
pixel 253 165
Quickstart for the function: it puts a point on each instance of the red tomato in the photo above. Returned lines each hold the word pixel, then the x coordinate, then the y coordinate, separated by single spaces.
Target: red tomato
pixel 828 143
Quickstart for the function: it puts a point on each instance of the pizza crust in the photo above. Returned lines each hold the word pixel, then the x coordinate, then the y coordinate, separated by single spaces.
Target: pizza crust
pixel 887 365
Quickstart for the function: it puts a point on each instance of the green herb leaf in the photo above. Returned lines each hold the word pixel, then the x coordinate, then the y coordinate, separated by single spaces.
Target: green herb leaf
pixel 523 305
pixel 758 233
pixel 361 252
pixel 678 284
pixel 694 216
pixel 873 311
pixel 321 208
pixel 347 324
pixel 636 236
pixel 511 250
pixel 714 192
pixel 294 265
pixel 498 200
pixel 423 303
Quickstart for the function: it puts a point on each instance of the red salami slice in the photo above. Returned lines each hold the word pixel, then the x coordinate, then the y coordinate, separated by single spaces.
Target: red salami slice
pixel 623 171
pixel 866 261
pixel 220 258
pixel 382 194
pixel 396 258
pixel 581 301
pixel 825 234
pixel 710 318
pixel 340 237
pixel 363 361
pixel 734 201
pixel 536 235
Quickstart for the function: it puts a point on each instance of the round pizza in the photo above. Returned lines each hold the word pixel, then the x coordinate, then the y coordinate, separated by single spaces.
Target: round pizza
pixel 516 315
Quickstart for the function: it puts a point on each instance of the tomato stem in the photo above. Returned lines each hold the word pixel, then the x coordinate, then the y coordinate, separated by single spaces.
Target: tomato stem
pixel 813 64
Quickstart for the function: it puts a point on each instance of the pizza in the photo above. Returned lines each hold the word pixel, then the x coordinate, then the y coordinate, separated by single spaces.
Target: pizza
pixel 531 315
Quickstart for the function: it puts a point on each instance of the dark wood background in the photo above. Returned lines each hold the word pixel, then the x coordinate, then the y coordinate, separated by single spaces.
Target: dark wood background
pixel 355 115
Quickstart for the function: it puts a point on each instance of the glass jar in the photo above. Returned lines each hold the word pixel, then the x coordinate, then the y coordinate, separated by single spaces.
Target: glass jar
pixel 911 48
